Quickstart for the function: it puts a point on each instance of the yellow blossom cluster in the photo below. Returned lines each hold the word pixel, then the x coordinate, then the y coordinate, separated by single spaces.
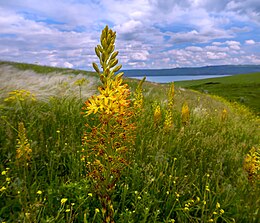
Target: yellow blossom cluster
pixel 185 114
pixel 168 123
pixel 23 150
pixel 20 95
pixel 171 93
pixel 113 98
pixel 252 164
pixel 157 115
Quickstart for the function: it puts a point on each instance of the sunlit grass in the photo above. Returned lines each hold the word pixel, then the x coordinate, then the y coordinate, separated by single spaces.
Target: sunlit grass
pixel 243 88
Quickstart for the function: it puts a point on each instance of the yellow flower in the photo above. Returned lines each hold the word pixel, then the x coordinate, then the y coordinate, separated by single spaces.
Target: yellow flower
pixel 3 189
pixel 217 205
pixel 157 115
pixel 252 164
pixel 185 114
pixel 8 179
pixel 63 200
pixel 97 210
pixel 67 210
pixel 4 172
pixel 177 195
pixel 222 211
pixel 39 192
pixel 90 194
pixel 23 151
pixel 20 95
pixel 171 96
pixel 168 123
pixel 224 114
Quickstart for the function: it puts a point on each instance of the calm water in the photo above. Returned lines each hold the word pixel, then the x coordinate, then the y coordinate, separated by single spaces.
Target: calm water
pixel 166 79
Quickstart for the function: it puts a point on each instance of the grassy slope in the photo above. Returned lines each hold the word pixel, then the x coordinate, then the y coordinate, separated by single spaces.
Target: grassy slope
pixel 182 174
pixel 244 88
pixel 45 69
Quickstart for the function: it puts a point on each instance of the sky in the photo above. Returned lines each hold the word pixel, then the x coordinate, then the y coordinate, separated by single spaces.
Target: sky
pixel 151 34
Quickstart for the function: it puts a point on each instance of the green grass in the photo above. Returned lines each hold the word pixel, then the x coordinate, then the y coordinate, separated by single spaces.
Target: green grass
pixel 182 175
pixel 244 88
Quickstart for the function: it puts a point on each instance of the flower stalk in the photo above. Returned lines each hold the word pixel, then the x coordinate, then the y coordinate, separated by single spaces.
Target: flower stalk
pixel 107 144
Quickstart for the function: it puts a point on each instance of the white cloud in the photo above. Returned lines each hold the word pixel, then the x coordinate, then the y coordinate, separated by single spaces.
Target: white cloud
pixel 250 42
pixel 194 48
pixel 216 56
pixel 150 33
pixel 68 65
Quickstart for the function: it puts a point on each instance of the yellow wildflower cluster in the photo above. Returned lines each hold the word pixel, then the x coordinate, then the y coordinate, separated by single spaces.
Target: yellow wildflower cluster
pixel 185 114
pixel 171 93
pixel 252 164
pixel 80 82
pixel 23 151
pixel 157 115
pixel 113 98
pixel 107 144
pixel 5 182
pixel 20 95
pixel 168 122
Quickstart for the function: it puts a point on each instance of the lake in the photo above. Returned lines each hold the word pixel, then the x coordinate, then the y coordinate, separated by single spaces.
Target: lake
pixel 167 79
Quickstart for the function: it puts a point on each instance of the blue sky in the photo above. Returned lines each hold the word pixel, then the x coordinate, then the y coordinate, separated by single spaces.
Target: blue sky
pixel 150 33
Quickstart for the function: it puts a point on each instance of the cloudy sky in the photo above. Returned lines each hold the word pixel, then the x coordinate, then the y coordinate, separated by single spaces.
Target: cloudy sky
pixel 150 33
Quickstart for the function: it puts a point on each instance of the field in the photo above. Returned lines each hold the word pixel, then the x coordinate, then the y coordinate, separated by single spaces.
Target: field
pixel 192 172
pixel 244 88
pixel 81 146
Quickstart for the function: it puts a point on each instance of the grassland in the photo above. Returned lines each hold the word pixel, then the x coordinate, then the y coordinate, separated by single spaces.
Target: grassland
pixel 244 88
pixel 191 173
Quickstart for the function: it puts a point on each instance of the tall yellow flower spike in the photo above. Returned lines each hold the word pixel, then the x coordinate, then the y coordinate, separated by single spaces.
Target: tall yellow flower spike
pixel 252 164
pixel 23 151
pixel 157 115
pixel 168 122
pixel 185 114
pixel 171 93
pixel 106 145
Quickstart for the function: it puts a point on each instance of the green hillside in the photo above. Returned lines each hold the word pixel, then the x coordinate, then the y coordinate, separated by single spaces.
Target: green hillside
pixel 244 88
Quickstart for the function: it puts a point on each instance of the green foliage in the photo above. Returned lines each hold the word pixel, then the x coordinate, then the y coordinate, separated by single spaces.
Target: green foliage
pixel 244 88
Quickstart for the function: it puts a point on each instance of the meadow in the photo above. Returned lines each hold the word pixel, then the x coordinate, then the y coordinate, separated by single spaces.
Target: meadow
pixel 243 88
pixel 184 156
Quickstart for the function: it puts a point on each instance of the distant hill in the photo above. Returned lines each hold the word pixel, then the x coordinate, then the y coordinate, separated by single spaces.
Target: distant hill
pixel 208 70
